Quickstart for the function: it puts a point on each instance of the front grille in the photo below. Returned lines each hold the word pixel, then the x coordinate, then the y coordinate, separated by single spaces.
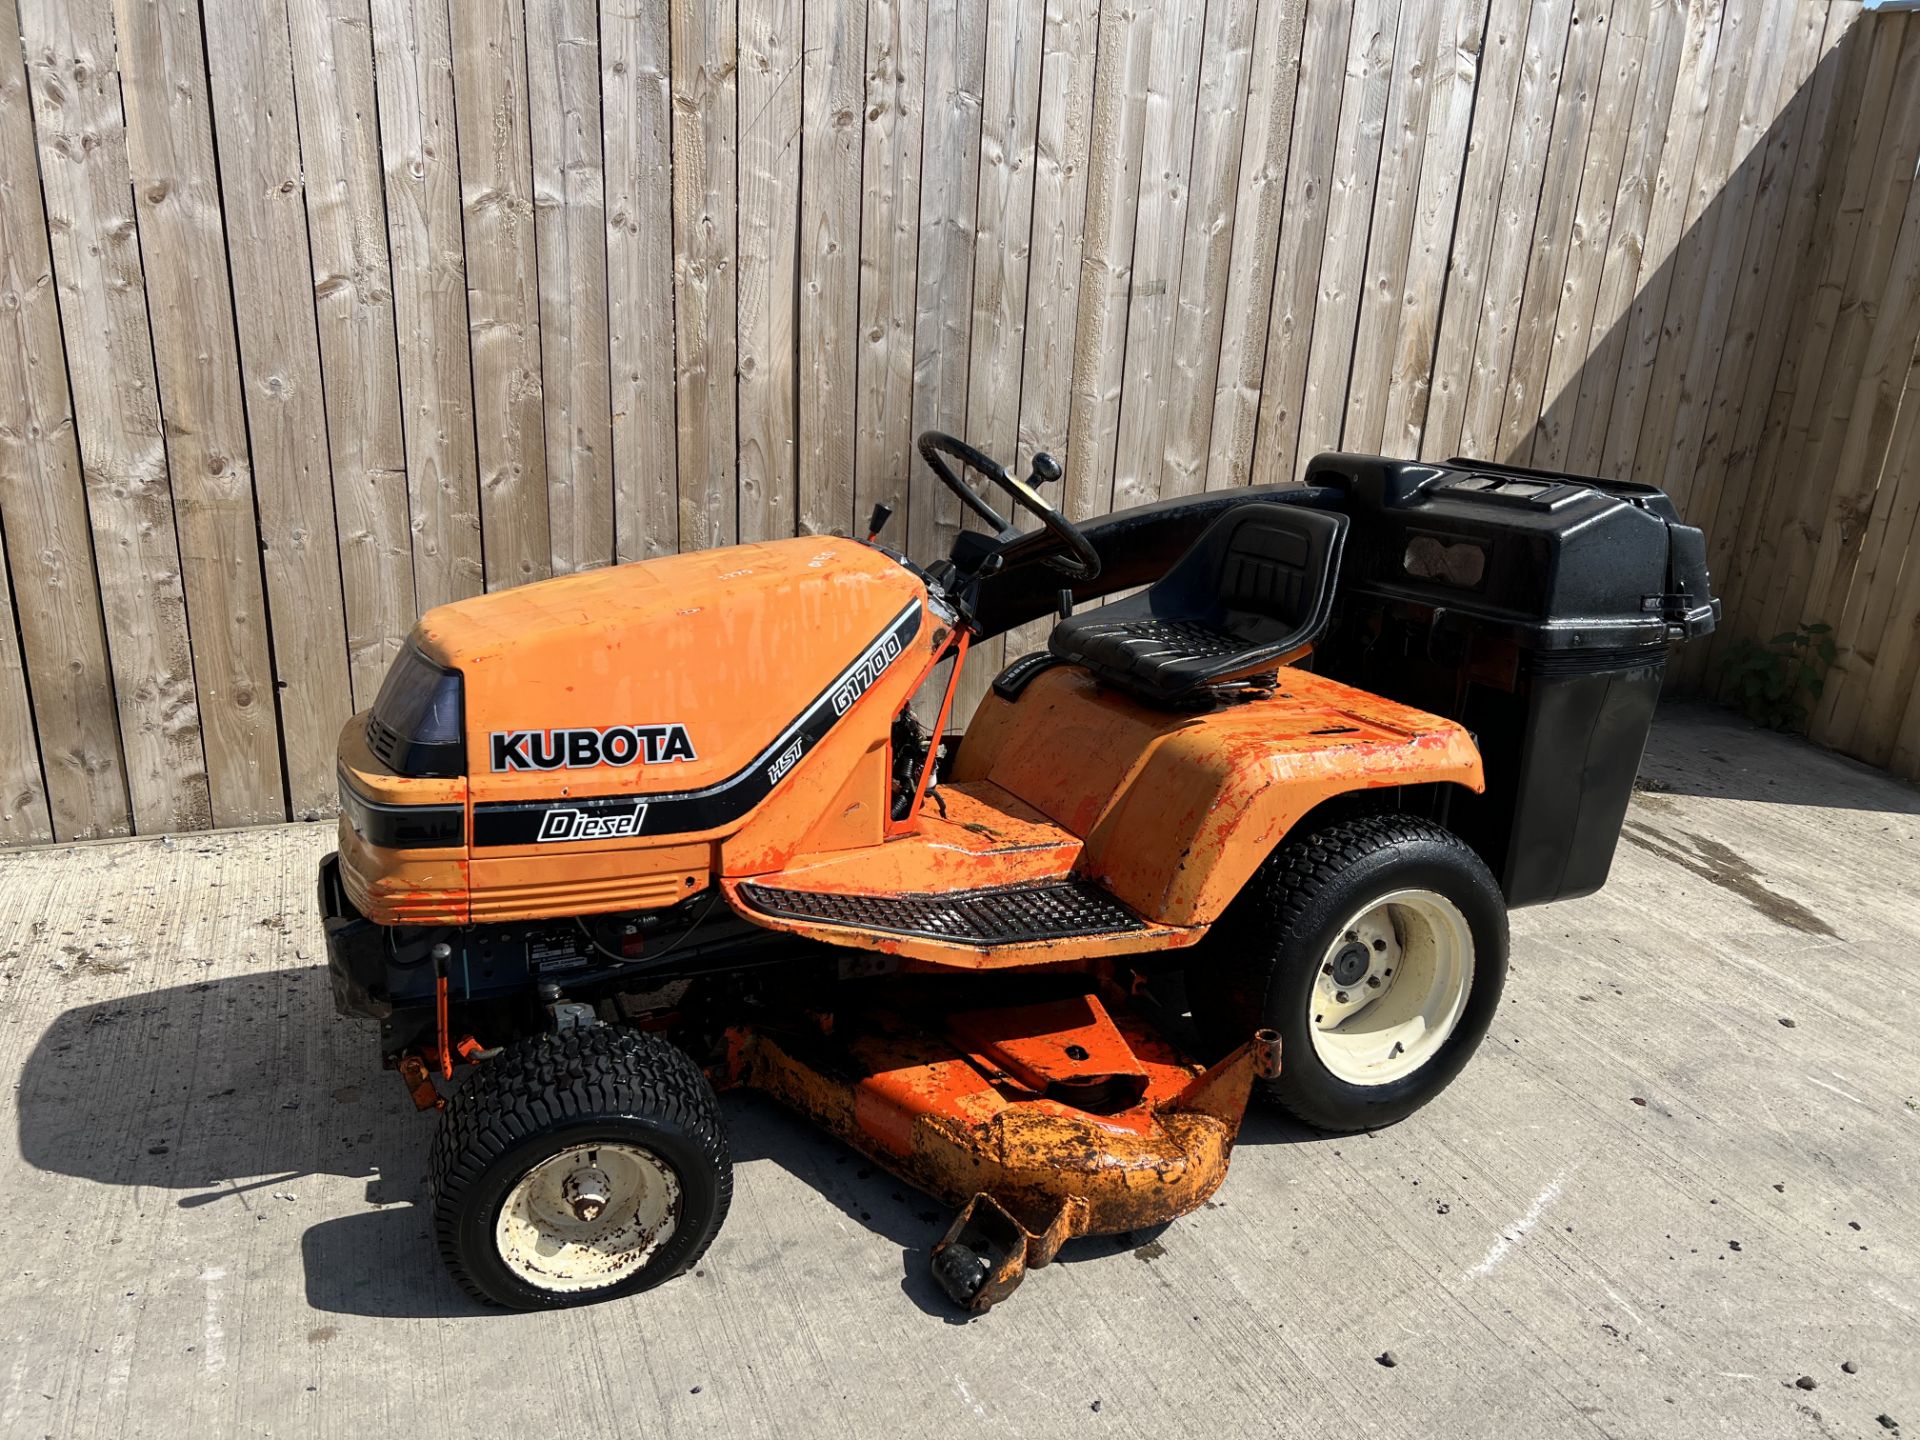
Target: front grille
pixel 1008 915
pixel 384 743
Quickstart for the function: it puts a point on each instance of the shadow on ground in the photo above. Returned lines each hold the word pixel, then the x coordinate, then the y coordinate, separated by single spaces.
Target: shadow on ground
pixel 232 1095
pixel 235 1093
pixel 1694 751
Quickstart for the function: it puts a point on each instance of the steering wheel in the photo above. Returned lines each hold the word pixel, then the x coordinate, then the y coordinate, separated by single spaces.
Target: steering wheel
pixel 1080 561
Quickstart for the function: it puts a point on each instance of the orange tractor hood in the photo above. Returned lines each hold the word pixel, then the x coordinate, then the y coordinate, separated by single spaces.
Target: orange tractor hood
pixel 666 675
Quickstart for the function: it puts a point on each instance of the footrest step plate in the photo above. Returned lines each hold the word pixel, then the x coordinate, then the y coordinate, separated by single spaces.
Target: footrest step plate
pixel 1005 915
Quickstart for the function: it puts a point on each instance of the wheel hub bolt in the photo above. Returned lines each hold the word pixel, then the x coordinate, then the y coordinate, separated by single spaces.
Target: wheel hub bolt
pixel 586 1194
pixel 1350 965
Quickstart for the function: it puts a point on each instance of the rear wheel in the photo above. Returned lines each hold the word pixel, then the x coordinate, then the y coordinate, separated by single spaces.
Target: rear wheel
pixel 577 1167
pixel 1377 947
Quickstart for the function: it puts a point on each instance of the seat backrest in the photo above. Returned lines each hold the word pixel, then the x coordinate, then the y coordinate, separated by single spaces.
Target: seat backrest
pixel 1265 559
pixel 1267 568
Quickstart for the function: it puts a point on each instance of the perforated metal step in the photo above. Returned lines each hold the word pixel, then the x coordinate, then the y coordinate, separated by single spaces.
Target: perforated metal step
pixel 1007 915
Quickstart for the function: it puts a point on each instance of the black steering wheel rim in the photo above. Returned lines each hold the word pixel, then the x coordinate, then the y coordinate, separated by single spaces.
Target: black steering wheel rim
pixel 1080 561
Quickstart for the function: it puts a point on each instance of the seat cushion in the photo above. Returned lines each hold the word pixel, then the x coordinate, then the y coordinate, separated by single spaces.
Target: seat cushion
pixel 1159 646
pixel 1256 587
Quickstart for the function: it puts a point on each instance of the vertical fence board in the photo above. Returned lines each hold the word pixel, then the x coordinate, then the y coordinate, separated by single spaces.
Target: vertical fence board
pixel 43 513
pixel 1153 292
pixel 413 70
pixel 1786 41
pixel 1614 120
pixel 1206 252
pixel 24 814
pixel 1694 324
pixel 1523 383
pixel 353 307
pixel 771 34
pixel 1419 65
pixel 1003 228
pixel 943 287
pixel 831 130
pixel 1502 53
pixel 1890 713
pixel 1443 162
pixel 82 148
pixel 1671 200
pixel 503 306
pixel 1357 146
pixel 1876 632
pixel 1106 258
pixel 889 253
pixel 636 101
pixel 1303 223
pixel 705 56
pixel 1061 162
pixel 24 818
pixel 1529 139
pixel 1272 87
pixel 1062 134
pixel 943 291
pixel 1590 403
pixel 570 246
pixel 1062 169
pixel 1010 124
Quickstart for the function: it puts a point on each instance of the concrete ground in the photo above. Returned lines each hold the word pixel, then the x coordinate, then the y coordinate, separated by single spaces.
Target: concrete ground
pixel 1683 1172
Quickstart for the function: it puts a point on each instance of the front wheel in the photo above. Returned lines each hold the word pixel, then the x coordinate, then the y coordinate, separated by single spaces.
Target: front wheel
pixel 577 1167
pixel 1377 948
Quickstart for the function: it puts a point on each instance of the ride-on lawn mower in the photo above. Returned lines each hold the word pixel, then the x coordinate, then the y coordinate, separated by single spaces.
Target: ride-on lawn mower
pixel 613 841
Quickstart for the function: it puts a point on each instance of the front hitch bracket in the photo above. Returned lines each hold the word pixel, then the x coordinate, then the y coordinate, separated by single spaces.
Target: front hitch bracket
pixel 986 1253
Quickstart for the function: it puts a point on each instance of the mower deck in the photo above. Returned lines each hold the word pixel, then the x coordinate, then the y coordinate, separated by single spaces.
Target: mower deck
pixel 1040 1121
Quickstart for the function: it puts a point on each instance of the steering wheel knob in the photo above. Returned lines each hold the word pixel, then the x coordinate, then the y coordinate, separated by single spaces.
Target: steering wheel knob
pixel 1078 559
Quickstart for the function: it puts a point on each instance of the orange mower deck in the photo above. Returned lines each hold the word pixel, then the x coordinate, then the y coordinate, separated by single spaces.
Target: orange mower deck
pixel 1039 1122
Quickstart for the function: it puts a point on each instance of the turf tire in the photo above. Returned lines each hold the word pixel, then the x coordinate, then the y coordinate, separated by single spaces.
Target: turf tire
pixel 547 1093
pixel 1256 966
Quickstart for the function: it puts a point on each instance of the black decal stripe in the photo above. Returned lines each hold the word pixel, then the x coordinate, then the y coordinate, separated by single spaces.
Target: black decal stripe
pixel 402 827
pixel 683 812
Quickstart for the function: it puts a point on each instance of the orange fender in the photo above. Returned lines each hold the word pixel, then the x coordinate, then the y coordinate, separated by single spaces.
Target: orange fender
pixel 1178 809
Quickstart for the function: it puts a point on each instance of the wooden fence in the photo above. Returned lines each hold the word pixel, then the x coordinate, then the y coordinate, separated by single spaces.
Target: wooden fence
pixel 316 313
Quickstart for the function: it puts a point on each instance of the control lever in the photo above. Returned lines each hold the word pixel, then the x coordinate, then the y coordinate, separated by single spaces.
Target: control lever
pixel 878 521
pixel 1065 605
pixel 1045 468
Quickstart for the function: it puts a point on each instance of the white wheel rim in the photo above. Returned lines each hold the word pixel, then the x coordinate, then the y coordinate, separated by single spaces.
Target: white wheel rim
pixel 1391 987
pixel 588 1217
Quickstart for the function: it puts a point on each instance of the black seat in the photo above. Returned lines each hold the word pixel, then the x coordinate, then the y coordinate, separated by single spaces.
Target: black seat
pixel 1256 587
